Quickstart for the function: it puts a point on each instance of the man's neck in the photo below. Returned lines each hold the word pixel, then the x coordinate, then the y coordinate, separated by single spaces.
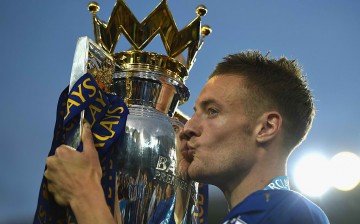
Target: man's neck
pixel 256 179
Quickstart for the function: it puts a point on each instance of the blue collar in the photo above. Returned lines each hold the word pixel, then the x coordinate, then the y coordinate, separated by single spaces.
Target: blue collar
pixel 259 201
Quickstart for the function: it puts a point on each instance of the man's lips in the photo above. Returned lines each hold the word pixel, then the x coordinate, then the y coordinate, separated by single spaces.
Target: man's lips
pixel 188 152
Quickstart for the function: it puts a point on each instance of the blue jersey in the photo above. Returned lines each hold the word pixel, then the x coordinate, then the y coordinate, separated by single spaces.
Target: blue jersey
pixel 276 207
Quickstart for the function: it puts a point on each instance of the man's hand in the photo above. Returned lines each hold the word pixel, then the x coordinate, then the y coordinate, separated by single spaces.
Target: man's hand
pixel 70 173
pixel 74 178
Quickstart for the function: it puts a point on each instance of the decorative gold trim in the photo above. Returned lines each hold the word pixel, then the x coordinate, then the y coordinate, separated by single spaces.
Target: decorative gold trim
pixel 128 84
pixel 102 71
pixel 151 62
pixel 181 116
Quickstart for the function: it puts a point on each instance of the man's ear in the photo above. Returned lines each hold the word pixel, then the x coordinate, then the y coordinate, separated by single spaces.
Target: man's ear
pixel 269 126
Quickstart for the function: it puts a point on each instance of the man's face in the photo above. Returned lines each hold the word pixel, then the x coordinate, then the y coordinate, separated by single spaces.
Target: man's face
pixel 220 137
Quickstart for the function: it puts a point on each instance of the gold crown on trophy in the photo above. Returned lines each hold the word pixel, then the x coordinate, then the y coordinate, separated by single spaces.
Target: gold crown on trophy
pixel 140 34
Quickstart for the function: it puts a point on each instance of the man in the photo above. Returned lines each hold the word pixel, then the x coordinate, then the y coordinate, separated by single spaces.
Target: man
pixel 251 114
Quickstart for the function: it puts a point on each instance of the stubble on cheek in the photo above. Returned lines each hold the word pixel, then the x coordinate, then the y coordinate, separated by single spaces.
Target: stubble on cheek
pixel 194 169
pixel 201 169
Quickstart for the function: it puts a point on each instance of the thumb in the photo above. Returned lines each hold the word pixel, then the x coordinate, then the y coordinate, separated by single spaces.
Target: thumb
pixel 87 140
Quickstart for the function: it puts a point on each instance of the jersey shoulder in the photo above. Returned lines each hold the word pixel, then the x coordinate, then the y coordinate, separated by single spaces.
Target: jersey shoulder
pixel 293 207
pixel 277 206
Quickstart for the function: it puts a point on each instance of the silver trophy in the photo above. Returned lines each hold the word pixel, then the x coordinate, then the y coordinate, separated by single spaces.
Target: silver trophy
pixel 152 85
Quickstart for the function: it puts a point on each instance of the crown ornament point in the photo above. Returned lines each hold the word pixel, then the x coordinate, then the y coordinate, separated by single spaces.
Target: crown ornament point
pixel 206 30
pixel 93 7
pixel 201 10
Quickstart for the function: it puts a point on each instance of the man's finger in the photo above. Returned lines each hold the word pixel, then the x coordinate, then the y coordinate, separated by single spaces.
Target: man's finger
pixel 46 174
pixel 87 140
pixel 60 200
pixel 51 162
pixel 64 151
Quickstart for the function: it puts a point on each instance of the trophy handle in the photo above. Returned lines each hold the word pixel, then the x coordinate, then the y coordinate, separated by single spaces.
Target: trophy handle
pixel 89 58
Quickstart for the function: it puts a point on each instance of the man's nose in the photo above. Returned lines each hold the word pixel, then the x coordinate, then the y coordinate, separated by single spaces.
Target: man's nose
pixel 192 127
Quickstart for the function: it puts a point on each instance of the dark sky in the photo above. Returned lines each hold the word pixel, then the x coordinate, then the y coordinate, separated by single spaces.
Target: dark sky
pixel 38 40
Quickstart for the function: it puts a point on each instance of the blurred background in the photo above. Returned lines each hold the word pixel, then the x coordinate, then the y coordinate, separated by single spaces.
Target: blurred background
pixel 38 39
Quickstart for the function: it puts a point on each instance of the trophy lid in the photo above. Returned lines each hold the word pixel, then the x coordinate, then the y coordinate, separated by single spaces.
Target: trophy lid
pixel 130 66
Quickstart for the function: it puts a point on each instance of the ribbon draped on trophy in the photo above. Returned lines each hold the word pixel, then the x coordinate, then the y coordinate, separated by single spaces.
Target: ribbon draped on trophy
pixel 130 99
